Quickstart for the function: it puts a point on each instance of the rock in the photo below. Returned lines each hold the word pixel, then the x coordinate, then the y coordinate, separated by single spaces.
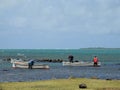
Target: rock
pixel 5 70
pixel 82 85
pixel 109 79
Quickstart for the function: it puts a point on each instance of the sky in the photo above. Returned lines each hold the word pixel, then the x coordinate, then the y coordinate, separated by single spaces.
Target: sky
pixel 59 24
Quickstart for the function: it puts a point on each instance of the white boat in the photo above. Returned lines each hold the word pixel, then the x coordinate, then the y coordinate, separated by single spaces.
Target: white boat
pixel 23 64
pixel 40 66
pixel 80 63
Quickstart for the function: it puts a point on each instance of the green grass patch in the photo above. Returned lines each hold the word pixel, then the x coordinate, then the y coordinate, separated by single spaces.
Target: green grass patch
pixel 63 84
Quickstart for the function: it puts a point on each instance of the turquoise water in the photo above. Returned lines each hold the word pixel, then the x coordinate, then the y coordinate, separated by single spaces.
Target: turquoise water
pixel 110 68
pixel 104 55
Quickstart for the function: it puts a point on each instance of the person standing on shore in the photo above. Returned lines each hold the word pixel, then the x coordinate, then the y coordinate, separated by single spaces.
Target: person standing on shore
pixel 70 57
pixel 95 60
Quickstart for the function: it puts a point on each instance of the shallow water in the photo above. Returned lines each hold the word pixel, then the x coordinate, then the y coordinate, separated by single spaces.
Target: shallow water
pixel 8 74
pixel 110 68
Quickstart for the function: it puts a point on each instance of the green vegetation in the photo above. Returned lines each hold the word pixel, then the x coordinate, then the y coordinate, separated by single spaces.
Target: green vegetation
pixel 63 84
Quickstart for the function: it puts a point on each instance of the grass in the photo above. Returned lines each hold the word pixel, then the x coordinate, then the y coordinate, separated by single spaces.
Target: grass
pixel 63 84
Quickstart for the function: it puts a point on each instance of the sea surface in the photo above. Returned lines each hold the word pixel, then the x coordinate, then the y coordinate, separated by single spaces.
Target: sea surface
pixel 109 57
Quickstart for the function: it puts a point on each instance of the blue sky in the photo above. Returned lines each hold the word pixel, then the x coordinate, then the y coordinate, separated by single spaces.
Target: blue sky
pixel 59 24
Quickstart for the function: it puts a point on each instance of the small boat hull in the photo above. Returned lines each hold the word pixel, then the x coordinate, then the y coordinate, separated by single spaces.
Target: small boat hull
pixel 23 64
pixel 80 64
pixel 42 66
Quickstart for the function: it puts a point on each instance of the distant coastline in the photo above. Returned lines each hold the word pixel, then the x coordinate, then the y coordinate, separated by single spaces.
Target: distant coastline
pixel 56 48
pixel 98 48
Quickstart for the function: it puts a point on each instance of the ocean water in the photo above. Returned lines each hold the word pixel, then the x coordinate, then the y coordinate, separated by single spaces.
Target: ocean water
pixel 104 55
pixel 110 68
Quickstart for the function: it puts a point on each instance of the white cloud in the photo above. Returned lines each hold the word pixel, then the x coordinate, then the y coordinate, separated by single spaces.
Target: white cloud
pixel 18 22
pixel 97 16
pixel 56 20
pixel 7 3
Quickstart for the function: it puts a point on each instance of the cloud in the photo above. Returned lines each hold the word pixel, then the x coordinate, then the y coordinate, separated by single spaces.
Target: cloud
pixel 18 22
pixel 58 22
pixel 85 16
pixel 8 4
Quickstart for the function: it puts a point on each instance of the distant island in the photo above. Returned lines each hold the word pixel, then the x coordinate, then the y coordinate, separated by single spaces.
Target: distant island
pixel 98 48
